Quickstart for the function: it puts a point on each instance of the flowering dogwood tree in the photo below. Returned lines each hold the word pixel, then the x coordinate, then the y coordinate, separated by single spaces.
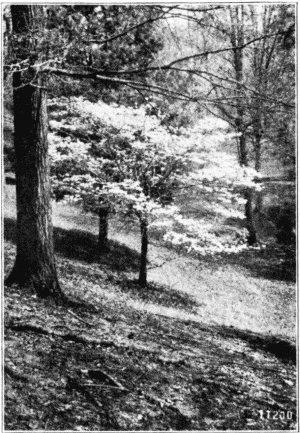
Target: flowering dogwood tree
pixel 139 170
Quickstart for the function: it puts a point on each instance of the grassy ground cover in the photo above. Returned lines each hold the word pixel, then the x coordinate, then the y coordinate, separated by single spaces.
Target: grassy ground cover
pixel 207 345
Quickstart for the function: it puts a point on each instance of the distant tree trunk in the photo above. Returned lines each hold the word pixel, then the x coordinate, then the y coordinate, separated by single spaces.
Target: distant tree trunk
pixel 248 195
pixel 144 253
pixel 103 230
pixel 237 40
pixel 252 237
pixel 35 262
pixel 258 154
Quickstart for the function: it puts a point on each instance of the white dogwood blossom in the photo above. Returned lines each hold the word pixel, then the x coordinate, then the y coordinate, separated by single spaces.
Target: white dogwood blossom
pixel 125 159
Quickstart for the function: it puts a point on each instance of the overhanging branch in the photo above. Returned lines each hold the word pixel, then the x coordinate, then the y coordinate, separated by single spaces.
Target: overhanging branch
pixel 193 56
pixel 134 84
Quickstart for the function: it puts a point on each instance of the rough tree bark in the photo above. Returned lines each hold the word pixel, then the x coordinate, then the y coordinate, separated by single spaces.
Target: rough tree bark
pixel 144 253
pixel 35 263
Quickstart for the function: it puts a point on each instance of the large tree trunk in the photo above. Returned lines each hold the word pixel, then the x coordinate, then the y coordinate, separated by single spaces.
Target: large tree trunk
pixel 35 262
pixel 144 253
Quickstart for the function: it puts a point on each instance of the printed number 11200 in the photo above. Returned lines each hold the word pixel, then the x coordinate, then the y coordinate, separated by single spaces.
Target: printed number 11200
pixel 277 414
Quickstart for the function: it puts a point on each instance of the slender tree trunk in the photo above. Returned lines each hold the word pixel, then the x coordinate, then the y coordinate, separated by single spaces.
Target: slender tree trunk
pixel 252 236
pixel 243 151
pixel 35 262
pixel 103 230
pixel 144 253
pixel 237 39
pixel 248 195
pixel 258 152
pixel 259 194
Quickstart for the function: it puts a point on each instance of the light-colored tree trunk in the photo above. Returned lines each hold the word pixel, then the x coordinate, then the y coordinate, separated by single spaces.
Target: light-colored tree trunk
pixel 237 40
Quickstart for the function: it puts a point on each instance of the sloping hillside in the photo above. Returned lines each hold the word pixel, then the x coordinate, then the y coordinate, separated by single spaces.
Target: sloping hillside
pixel 171 356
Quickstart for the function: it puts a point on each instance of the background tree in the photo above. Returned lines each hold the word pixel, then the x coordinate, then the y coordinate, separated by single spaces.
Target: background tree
pixel 249 84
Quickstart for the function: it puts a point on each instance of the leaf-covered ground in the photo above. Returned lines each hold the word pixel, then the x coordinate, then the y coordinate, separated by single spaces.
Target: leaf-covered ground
pixel 203 347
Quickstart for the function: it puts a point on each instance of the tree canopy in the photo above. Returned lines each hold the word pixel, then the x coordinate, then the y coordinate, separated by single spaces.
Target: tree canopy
pixel 219 60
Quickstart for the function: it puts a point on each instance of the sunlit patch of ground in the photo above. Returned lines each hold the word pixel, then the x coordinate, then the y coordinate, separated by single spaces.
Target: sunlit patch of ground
pixel 246 300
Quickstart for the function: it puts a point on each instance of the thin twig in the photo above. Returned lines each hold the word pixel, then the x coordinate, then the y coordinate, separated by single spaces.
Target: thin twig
pixel 110 379
pixel 79 318
pixel 106 386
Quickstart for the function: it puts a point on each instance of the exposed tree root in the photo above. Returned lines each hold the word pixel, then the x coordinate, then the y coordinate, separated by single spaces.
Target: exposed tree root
pixel 67 337
pixel 77 338
pixel 42 286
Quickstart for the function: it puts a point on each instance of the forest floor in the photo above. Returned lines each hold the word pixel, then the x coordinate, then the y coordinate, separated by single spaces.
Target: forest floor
pixel 207 345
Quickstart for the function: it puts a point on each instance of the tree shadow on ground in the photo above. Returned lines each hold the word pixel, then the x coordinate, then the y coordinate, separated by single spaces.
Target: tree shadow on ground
pixel 277 261
pixel 82 245
pixel 282 349
pixel 160 295
pixel 274 262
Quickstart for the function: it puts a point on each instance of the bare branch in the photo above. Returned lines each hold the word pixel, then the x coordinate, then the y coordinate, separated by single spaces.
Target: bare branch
pixel 221 50
pixel 230 80
pixel 135 87
pixel 135 84
pixel 193 56
pixel 200 10
pixel 126 31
